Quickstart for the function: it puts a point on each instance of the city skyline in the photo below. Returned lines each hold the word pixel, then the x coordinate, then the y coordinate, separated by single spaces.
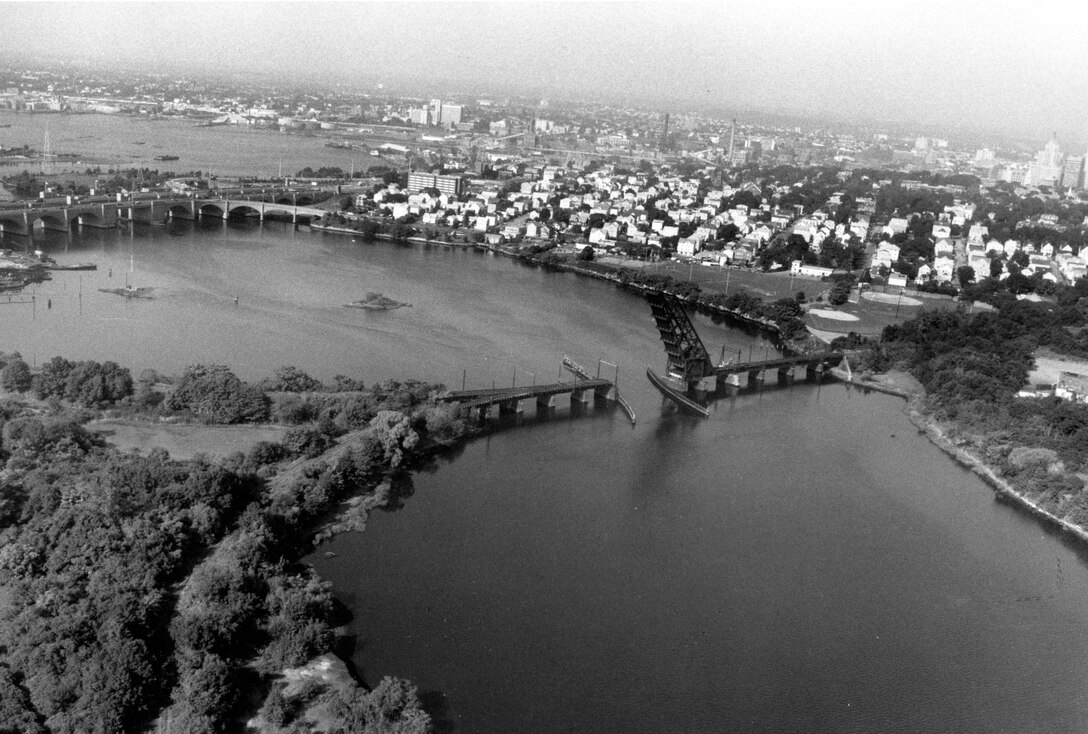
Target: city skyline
pixel 959 65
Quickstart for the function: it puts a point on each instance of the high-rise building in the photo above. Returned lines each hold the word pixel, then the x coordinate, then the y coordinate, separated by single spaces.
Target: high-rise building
pixel 1047 169
pixel 418 181
pixel 436 111
pixel 1073 172
pixel 984 157
pixel 451 115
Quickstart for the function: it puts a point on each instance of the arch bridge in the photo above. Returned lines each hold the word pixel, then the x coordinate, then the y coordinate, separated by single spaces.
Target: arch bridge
pixel 26 219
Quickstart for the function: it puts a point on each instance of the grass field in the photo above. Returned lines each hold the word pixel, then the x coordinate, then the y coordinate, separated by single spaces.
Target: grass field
pixel 184 441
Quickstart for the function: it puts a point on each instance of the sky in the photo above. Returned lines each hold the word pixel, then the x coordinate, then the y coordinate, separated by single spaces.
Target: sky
pixel 1017 66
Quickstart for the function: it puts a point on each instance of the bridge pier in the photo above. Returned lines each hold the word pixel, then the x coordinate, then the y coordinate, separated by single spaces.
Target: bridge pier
pixel 481 413
pixel 510 407
pixel 545 402
pixel 755 376
pixel 785 375
pixel 579 396
pixel 707 384
pixel 814 370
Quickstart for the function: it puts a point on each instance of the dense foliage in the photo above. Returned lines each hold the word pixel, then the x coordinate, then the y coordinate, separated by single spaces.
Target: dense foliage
pixel 216 395
pixel 973 366
pixel 141 587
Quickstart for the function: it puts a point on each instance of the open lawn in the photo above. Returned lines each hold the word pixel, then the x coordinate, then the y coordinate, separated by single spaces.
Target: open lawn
pixel 714 279
pixel 184 440
pixel 1048 369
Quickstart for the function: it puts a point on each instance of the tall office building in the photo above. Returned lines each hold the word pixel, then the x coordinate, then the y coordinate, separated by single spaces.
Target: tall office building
pixel 1047 169
pixel 436 112
pixel 451 115
pixel 1073 172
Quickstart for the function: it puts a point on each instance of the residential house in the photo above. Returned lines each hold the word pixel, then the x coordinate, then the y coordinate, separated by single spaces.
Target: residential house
pixel 895 225
pixel 809 271
pixel 944 268
pixel 886 254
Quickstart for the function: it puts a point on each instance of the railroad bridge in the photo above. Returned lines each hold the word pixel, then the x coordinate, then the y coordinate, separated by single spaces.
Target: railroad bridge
pixel 109 214
pixel 690 372
pixel 509 398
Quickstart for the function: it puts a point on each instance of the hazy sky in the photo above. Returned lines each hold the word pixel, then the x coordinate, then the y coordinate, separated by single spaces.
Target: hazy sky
pixel 1018 65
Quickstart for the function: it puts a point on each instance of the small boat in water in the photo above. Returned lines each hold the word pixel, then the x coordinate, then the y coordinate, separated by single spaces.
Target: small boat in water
pixel 166 157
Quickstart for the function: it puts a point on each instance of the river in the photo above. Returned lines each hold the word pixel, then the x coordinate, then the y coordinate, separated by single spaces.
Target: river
pixel 802 560
pixel 124 142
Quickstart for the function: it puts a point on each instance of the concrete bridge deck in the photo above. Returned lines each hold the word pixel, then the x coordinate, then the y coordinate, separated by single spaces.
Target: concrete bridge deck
pixel 24 220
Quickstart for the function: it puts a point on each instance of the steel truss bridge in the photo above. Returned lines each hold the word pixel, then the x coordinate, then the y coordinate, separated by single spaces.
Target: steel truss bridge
pixel 690 370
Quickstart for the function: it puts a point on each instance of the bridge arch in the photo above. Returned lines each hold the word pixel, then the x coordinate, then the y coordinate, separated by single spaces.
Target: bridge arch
pixel 12 225
pixel 86 217
pixel 212 209
pixel 56 221
pixel 279 214
pixel 244 211
pixel 179 211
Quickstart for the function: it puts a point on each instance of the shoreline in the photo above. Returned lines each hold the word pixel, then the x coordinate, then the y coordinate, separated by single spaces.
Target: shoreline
pixel 1003 489
pixel 759 323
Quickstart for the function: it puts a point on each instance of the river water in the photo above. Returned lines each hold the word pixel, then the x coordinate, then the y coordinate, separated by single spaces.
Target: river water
pixel 802 560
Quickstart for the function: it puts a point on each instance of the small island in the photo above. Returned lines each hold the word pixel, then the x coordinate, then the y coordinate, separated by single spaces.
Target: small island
pixel 377 302
pixel 129 292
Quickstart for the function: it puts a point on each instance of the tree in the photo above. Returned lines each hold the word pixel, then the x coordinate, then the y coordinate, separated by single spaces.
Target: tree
pixel 291 379
pixel 586 254
pixel 16 375
pixel 215 394
pixel 965 274
pixel 840 291
pixel 394 431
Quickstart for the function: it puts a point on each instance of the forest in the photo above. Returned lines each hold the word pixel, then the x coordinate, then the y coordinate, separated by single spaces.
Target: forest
pixel 139 592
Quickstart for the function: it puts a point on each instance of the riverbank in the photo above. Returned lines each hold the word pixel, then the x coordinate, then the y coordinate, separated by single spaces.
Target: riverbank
pixel 938 435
